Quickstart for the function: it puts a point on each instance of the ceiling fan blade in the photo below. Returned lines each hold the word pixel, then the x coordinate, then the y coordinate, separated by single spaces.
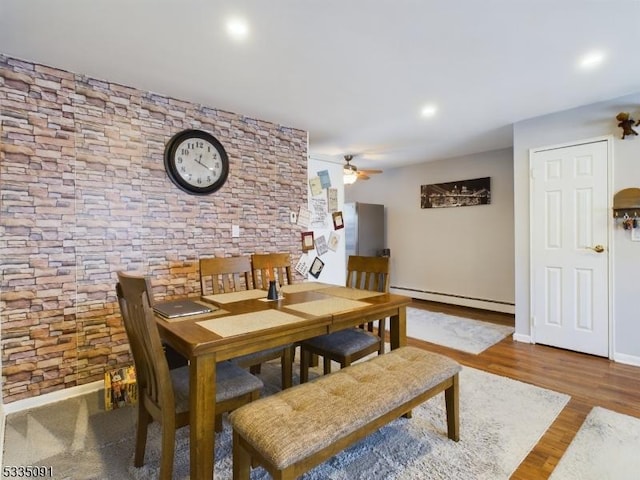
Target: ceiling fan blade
pixel 362 175
pixel 365 170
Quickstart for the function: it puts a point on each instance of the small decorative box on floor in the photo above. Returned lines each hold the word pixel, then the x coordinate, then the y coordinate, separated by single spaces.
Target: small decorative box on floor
pixel 120 388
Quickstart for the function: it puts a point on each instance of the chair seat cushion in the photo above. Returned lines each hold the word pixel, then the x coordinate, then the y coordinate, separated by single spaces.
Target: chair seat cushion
pixel 231 381
pixel 343 342
pixel 257 358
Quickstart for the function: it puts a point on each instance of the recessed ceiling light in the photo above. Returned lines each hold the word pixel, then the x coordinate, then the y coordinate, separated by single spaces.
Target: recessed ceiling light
pixel 429 110
pixel 591 60
pixel 237 28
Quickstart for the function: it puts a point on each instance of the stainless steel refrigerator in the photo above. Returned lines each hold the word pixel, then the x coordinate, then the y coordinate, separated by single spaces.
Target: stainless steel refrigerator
pixel 364 226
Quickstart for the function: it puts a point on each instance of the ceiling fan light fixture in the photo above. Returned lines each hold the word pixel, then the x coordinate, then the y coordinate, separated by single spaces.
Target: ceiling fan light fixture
pixel 350 178
pixel 349 170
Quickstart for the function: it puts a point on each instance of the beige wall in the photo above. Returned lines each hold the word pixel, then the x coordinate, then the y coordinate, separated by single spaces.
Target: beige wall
pixel 461 255
pixel 84 194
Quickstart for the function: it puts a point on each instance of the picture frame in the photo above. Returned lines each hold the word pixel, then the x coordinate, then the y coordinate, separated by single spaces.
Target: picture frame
pixel 302 267
pixel 316 267
pixel 338 221
pixel 321 245
pixel 315 184
pixel 462 193
pixel 325 179
pixel 307 241
pixel 334 241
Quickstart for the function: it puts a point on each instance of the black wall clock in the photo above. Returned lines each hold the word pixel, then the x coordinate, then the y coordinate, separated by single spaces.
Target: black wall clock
pixel 196 162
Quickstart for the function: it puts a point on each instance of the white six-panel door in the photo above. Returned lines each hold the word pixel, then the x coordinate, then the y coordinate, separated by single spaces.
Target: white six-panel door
pixel 569 251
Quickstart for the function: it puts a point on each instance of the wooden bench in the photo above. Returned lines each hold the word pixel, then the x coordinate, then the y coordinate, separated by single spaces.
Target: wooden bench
pixel 296 429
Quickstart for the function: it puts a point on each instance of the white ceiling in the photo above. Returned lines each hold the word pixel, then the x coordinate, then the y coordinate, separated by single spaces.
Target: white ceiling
pixel 354 73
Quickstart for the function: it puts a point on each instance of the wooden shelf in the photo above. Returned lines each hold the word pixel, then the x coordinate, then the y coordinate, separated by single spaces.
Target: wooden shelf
pixel 627 202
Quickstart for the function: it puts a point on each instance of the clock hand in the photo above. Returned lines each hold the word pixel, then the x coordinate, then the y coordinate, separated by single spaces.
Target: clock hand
pixel 198 160
pixel 204 164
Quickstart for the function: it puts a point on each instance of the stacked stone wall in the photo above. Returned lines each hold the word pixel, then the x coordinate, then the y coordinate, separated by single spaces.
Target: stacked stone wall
pixel 84 194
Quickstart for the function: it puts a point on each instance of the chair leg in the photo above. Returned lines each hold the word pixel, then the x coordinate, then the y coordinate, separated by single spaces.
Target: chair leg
pixel 381 334
pixel 305 358
pixel 141 434
pixel 314 360
pixel 168 449
pixel 218 424
pixel 327 365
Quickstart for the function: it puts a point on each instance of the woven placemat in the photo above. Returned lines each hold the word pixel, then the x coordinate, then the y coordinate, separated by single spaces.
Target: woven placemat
pixel 352 293
pixel 235 296
pixel 327 306
pixel 304 287
pixel 248 322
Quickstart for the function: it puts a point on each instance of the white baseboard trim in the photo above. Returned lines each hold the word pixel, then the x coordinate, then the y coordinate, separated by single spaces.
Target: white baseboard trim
pixel 57 396
pixel 456 300
pixel 617 357
pixel 626 359
pixel 518 337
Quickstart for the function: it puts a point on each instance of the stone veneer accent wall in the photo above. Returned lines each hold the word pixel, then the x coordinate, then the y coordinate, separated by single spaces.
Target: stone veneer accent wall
pixel 84 194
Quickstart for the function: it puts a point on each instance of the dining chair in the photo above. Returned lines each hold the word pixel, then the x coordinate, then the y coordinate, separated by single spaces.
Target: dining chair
pixel 231 274
pixel 271 266
pixel 347 346
pixel 225 274
pixel 163 394
pixel 174 359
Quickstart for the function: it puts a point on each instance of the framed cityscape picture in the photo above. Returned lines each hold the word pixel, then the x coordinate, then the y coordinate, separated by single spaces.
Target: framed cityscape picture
pixel 462 193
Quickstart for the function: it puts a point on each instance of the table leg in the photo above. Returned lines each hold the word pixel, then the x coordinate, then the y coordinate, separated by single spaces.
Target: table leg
pixel 398 328
pixel 202 407
pixel 398 332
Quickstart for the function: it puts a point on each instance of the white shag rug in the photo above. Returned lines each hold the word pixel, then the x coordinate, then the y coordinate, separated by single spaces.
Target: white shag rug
pixel 607 447
pixel 500 422
pixel 467 335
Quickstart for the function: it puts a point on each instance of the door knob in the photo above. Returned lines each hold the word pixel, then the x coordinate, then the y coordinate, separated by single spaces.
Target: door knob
pixel 597 248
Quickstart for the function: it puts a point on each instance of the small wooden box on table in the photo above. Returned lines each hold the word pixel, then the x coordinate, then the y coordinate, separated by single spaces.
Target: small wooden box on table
pixel 296 429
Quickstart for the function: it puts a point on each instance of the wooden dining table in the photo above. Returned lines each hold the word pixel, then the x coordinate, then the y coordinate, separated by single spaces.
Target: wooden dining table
pixel 246 322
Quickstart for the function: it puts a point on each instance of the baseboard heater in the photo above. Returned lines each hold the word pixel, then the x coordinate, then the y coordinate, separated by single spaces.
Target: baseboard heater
pixel 495 305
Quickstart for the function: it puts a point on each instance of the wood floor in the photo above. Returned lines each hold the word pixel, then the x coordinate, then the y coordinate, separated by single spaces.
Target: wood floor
pixel 589 380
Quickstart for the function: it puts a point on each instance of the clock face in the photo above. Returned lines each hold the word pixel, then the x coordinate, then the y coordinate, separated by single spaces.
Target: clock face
pixel 196 162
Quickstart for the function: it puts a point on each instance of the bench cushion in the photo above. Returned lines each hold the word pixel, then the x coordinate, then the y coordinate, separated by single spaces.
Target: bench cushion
pixel 295 423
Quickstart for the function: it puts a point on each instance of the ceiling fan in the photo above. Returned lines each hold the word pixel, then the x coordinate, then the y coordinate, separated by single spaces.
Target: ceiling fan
pixel 351 172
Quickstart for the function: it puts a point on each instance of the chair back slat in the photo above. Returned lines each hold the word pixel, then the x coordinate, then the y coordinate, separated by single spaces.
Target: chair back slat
pixel 152 369
pixel 368 273
pixel 271 266
pixel 225 274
